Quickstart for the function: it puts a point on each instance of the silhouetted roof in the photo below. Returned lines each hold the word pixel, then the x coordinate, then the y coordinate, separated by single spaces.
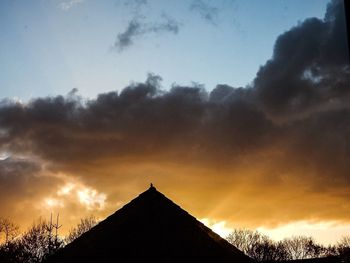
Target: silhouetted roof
pixel 151 228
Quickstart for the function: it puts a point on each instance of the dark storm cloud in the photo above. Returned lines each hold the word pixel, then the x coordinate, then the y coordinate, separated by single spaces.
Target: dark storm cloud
pixel 141 119
pixel 21 181
pixel 309 65
pixel 207 12
pixel 14 171
pixel 136 28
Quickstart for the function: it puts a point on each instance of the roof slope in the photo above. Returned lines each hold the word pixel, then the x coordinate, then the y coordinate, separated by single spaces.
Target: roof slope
pixel 151 228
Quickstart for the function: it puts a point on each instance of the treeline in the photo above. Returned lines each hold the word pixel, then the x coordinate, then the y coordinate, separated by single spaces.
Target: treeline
pixel 261 248
pixel 40 241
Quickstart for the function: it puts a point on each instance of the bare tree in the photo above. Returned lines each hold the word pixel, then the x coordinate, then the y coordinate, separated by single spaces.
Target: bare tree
pixel 9 229
pixel 256 245
pixel 35 241
pixel 39 242
pixel 52 232
pixel 344 242
pixel 13 252
pixel 330 251
pixel 280 252
pixel 343 248
pixel 261 248
pixel 83 226
pixel 268 250
pixel 34 246
pixel 301 247
pixel 244 239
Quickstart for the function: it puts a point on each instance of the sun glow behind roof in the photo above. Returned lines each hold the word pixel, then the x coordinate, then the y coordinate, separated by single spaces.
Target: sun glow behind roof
pixel 325 232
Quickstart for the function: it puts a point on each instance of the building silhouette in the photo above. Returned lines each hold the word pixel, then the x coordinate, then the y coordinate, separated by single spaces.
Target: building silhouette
pixel 151 228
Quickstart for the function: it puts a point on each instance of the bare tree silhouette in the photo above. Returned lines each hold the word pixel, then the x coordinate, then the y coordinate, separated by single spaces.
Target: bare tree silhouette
pixel 9 229
pixel 261 248
pixel 33 246
pixel 301 247
pixel 258 246
pixel 83 226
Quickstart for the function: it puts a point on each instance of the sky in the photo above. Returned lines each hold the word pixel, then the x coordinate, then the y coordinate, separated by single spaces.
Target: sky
pixel 236 110
pixel 50 47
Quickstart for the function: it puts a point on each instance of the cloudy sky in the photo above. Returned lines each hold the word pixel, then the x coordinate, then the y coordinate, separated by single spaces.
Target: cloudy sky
pixel 237 110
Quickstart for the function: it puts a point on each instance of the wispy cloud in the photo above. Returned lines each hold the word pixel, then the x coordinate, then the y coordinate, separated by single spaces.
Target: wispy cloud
pixel 134 7
pixel 136 3
pixel 68 4
pixel 207 12
pixel 137 28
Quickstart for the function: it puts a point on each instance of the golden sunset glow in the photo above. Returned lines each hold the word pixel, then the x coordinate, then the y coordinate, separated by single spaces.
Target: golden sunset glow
pixel 91 199
pixel 218 227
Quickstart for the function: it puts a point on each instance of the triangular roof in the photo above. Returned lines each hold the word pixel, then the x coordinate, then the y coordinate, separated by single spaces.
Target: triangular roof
pixel 151 228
